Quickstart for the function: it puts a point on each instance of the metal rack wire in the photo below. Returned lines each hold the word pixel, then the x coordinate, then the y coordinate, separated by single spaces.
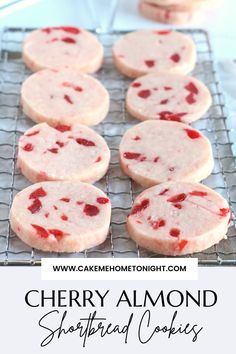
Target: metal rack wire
pixel 122 191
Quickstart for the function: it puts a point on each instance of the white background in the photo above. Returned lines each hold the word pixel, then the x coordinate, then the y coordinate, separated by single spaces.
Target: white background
pixel 20 333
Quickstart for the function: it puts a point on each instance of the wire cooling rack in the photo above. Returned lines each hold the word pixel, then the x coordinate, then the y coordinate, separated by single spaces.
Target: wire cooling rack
pixel 120 188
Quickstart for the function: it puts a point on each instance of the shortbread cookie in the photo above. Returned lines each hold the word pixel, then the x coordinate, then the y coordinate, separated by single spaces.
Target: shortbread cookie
pixel 168 97
pixel 61 216
pixel 165 14
pixel 181 5
pixel 64 97
pixel 62 47
pixel 75 153
pixel 151 51
pixel 153 152
pixel 178 218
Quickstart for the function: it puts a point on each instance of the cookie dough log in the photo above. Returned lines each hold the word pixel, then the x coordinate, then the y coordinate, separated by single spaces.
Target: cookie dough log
pixel 72 153
pixel 64 97
pixel 147 51
pixel 61 216
pixel 168 96
pixel 153 152
pixel 178 218
pixel 62 47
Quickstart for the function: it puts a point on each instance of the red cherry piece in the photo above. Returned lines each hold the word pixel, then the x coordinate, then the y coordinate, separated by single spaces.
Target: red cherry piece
pixel 99 159
pixel 136 138
pixel 68 99
pixel 178 206
pixel 198 193
pixel 192 88
pixel 53 150
pixel 157 224
pixel 102 200
pixel 35 206
pixel 91 210
pixel 63 128
pixel 168 88
pixel 144 93
pixel 163 32
pixel 166 115
pixel 85 142
pixel 33 133
pixel 40 231
pixel 78 88
pixel 46 215
pixel 140 207
pixel 60 143
pixel 72 30
pixel 55 207
pixel 175 58
pixel 47 30
pixel 156 159
pixel 66 200
pixel 28 147
pixel 150 63
pixel 190 98
pixel 177 198
pixel 64 217
pixel 38 193
pixel 68 40
pixel 224 211
pixel 164 101
pixel 131 155
pixel 174 232
pixel 57 233
pixel 182 244
pixel 164 191
pixel 193 134
pixel 136 84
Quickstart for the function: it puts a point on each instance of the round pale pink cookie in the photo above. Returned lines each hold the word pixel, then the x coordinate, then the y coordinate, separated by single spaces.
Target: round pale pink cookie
pixel 148 51
pixel 182 5
pixel 155 151
pixel 178 218
pixel 64 97
pixel 168 96
pixel 62 47
pixel 63 153
pixel 165 14
pixel 61 216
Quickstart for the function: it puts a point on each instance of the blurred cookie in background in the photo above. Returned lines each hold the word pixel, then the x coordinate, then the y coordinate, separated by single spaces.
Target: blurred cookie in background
pixel 175 11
